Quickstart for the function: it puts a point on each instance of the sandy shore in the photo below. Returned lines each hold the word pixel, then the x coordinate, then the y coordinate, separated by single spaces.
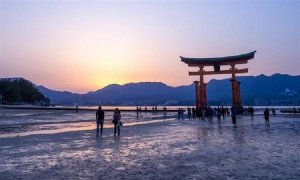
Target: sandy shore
pixel 189 149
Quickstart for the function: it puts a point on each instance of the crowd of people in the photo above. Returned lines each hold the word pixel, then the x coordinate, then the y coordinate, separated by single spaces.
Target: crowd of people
pixel 210 112
pixel 205 113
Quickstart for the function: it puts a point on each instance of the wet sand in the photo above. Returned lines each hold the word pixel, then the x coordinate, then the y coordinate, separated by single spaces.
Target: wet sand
pixel 174 149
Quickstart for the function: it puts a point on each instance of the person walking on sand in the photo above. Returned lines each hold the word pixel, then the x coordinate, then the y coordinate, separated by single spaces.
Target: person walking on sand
pixel 266 115
pixel 233 116
pixel 117 121
pixel 189 112
pixel 100 120
pixel 178 113
pixel 273 112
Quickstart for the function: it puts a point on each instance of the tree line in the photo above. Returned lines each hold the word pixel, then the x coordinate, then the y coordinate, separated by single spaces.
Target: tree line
pixel 20 91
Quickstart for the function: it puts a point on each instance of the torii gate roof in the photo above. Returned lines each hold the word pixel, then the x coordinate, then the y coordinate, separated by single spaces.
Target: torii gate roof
pixel 237 59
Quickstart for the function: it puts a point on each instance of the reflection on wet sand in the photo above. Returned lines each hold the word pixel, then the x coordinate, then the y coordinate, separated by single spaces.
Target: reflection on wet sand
pixel 67 127
pixel 163 149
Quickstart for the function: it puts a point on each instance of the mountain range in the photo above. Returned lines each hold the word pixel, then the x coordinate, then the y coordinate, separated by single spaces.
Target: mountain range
pixel 278 89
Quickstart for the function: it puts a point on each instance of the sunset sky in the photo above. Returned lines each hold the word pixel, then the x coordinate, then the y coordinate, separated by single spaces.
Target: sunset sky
pixel 82 46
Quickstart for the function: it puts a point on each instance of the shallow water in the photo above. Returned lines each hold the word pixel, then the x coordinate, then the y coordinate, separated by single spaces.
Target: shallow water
pixel 20 121
pixel 174 149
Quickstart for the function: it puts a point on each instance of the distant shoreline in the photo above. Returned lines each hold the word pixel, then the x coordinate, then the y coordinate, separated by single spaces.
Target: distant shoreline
pixel 124 108
pixel 81 108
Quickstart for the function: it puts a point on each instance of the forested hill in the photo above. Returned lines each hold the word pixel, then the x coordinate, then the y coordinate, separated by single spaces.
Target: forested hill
pixel 20 91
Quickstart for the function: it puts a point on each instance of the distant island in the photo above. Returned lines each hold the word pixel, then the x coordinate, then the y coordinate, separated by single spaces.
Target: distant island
pixel 278 89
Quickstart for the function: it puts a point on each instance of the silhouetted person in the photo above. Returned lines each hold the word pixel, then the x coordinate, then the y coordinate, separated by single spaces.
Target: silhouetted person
pixel 189 112
pixel 273 112
pixel 194 113
pixel 233 116
pixel 165 111
pixel 116 121
pixel 210 113
pixel 137 111
pixel 223 112
pixel 198 113
pixel 266 115
pixel 219 113
pixel 251 111
pixel 182 113
pixel 178 113
pixel 227 111
pixel 100 120
pixel 201 113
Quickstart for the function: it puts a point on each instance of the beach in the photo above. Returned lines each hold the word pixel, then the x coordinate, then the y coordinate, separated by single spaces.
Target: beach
pixel 160 149
pixel 182 90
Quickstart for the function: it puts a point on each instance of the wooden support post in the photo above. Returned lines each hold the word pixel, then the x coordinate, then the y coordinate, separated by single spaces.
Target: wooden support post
pixel 239 101
pixel 236 96
pixel 234 86
pixel 201 95
pixel 202 87
pixel 204 95
pixel 197 94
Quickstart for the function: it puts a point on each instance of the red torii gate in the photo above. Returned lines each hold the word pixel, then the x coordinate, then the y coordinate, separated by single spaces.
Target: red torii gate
pixel 217 62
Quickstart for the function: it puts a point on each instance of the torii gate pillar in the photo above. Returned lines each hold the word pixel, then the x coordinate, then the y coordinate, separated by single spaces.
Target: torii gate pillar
pixel 236 91
pixel 202 89
pixel 204 96
pixel 197 94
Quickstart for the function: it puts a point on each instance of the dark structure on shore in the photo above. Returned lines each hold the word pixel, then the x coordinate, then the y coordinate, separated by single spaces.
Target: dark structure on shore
pixel 217 62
